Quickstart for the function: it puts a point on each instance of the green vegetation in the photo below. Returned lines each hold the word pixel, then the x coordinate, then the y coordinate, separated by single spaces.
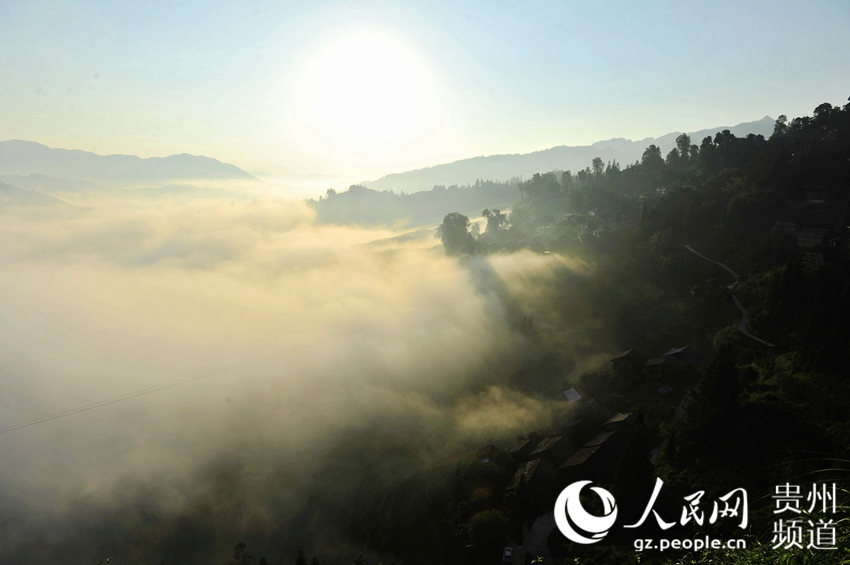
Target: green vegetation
pixel 776 211
pixel 746 415
pixel 363 205
pixel 454 233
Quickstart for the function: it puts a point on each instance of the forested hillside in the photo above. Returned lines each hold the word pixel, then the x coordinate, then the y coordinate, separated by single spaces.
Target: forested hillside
pixel 363 205
pixel 501 167
pixel 762 409
pixel 721 271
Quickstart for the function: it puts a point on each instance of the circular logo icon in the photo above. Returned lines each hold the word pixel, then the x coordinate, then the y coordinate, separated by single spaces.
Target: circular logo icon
pixel 576 523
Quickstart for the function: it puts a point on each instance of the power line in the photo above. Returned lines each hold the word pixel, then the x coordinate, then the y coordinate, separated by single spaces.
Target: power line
pixel 128 396
pixel 222 369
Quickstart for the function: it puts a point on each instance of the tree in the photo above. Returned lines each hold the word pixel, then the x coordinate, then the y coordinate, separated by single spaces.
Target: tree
pixel 781 126
pixel 707 152
pixel 241 555
pixel 673 158
pixel 496 221
pixel 598 166
pixel 683 144
pixel 577 199
pixel 300 559
pixel 541 186
pixel 487 528
pixel 823 111
pixel 583 176
pixel 454 233
pixel 712 413
pixel 693 153
pixel 651 158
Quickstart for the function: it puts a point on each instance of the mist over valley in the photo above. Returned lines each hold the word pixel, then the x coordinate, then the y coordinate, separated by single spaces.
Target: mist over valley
pixel 397 283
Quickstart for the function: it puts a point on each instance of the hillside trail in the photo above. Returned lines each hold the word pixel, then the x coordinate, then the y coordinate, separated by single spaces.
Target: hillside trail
pixel 742 325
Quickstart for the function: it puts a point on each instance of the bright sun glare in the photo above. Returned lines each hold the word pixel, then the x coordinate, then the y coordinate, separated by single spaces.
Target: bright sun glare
pixel 366 90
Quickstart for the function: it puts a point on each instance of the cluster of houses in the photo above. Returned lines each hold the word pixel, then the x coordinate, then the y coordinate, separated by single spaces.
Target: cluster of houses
pixel 549 232
pixel 590 443
pixel 590 227
pixel 813 244
pixel 820 206
pixel 588 446
pixel 633 366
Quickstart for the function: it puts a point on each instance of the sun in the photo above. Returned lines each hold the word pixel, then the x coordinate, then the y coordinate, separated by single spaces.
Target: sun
pixel 366 90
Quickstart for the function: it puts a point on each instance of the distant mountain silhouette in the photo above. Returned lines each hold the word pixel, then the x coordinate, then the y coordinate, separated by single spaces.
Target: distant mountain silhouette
pixel 14 196
pixel 504 167
pixel 42 183
pixel 23 158
pixel 667 142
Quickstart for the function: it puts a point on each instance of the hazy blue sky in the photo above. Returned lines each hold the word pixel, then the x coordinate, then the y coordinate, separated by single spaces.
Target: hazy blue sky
pixel 292 87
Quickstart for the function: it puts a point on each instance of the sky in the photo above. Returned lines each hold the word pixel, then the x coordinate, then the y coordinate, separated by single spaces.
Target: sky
pixel 368 87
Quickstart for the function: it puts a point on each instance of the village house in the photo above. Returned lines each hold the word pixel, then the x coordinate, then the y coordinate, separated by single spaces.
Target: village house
pixel 813 258
pixel 811 237
pixel 593 411
pixel 588 408
pixel 624 422
pixel 538 475
pixel 522 450
pixel 596 460
pixel 683 356
pixel 786 227
pixel 658 367
pixel 628 364
pixel 556 448
pixel 579 430
pixel 820 194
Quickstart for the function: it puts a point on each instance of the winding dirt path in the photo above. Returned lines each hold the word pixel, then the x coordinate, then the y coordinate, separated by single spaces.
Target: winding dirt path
pixel 742 325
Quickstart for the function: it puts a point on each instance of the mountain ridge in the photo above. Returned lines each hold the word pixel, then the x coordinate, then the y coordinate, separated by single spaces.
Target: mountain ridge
pixel 11 195
pixel 21 158
pixel 502 167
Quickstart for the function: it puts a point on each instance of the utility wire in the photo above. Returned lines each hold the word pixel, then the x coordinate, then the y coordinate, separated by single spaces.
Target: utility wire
pixel 224 368
pixel 149 390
